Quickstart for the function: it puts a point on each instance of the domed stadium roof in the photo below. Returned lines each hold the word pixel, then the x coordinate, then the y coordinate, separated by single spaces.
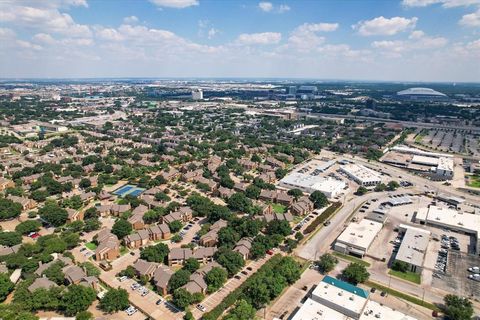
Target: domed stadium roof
pixel 420 92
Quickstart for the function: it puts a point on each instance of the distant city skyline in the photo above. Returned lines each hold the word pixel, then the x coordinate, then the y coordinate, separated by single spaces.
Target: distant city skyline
pixel 405 40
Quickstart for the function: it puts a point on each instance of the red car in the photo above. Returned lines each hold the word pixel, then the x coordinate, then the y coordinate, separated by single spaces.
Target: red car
pixel 34 235
pixel 270 252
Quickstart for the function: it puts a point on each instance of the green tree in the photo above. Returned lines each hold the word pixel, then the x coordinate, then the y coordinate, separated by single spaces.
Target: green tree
pixel 232 261
pixel 156 253
pixel 85 183
pixel 182 298
pixel 90 269
pixel 151 216
pixel 401 266
pixel 53 214
pixel 253 192
pixel 14 311
pixel 215 279
pixel 28 226
pixel 77 299
pixel 242 311
pixel 6 286
pixel 191 265
pixel 9 209
pixel 84 315
pixel 178 279
pixel 55 273
pixel 319 199
pixel 295 193
pixel 227 237
pixel 457 308
pixel 392 185
pixel 10 238
pixel 361 191
pixel 175 226
pixel 327 262
pixel 114 300
pixel 281 227
pixel 188 316
pixel 355 273
pixel 380 187
pixel 239 202
pixel 121 228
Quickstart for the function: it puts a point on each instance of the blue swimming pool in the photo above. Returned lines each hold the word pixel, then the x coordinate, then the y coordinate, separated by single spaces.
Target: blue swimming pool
pixel 128 189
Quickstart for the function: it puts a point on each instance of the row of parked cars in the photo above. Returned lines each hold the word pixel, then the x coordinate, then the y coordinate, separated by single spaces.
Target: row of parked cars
pixel 450 242
pixel 475 273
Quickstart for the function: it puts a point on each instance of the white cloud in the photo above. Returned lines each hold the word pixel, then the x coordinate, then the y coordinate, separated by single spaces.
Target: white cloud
pixel 6 34
pixel 418 40
pixel 259 38
pixel 212 32
pixel 471 19
pixel 265 6
pixel 305 37
pixel 178 4
pixel 283 8
pixel 28 45
pixel 445 3
pixel 385 26
pixel 44 38
pixel 41 18
pixel 130 20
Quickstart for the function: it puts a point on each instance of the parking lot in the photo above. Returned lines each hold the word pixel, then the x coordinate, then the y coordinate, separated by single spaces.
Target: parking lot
pixel 214 299
pixel 146 304
pixel 455 280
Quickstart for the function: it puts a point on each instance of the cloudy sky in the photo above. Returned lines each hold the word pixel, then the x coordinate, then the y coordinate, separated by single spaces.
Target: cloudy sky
pixel 416 40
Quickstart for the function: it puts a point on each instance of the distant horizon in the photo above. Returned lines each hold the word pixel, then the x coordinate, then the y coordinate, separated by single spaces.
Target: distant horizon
pixel 266 79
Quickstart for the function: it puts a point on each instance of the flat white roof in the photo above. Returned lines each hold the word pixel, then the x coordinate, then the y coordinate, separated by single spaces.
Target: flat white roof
pixel 361 234
pixel 374 311
pixel 414 245
pixel 450 218
pixel 445 164
pixel 311 310
pixel 339 297
pixel 429 161
pixel 362 173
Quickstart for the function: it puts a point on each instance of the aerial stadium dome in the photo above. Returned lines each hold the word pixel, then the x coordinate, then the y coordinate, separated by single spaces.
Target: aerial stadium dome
pixel 422 94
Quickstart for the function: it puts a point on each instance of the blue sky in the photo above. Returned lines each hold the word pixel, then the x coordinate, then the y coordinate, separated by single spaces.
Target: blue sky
pixel 414 40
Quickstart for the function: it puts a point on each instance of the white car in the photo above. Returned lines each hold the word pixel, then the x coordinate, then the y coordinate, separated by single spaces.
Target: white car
pixel 121 279
pixel 475 277
pixel 201 308
pixel 474 269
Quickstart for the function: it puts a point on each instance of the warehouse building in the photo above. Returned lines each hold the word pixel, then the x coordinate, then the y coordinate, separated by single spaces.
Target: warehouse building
pixel 451 219
pixel 413 247
pixel 357 237
pixel 362 175
pixel 334 299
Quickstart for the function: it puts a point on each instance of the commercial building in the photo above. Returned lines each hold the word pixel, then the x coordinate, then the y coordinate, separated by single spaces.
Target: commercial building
pixel 197 94
pixel 333 299
pixel 362 175
pixel 421 94
pixel 357 237
pixel 451 219
pixel 413 247
pixel 308 179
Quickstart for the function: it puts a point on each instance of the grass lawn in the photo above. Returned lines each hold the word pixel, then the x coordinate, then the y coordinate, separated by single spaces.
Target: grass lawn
pixel 351 259
pixel 90 245
pixel 474 181
pixel 409 276
pixel 123 250
pixel 402 295
pixel 279 208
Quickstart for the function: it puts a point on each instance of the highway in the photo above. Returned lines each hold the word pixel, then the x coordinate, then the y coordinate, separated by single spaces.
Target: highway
pixel 405 123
